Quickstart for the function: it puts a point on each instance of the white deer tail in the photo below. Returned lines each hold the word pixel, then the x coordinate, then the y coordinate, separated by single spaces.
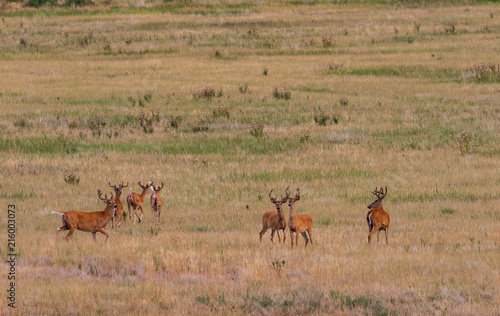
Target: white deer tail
pixel 369 219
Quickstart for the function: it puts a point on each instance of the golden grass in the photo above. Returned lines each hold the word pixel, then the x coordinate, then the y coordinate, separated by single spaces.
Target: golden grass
pixel 406 105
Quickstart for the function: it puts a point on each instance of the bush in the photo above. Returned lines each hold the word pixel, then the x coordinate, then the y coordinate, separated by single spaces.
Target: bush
pixel 77 2
pixel 321 117
pixel 175 121
pixel 282 93
pixel 220 111
pixel 257 130
pixel 71 177
pixel 201 126
pixel 96 124
pixel 37 3
pixel 22 122
pixel 146 122
pixel 484 72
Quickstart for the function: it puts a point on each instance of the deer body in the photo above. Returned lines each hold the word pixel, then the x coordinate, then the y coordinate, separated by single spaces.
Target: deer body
pixel 92 222
pixel 119 205
pixel 299 223
pixel 136 201
pixel 377 218
pixel 274 220
pixel 156 201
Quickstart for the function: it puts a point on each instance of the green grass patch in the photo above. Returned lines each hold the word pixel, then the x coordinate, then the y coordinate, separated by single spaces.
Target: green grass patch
pixel 402 71
pixel 299 174
pixel 447 211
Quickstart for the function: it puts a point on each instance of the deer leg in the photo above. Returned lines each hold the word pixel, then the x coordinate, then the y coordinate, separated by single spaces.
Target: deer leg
pixel 71 231
pixel 262 232
pixel 378 234
pixel 305 236
pixel 374 230
pixel 60 229
pixel 273 231
pixel 291 237
pixel 370 228
pixel 284 235
pixel 296 239
pixel 387 235
pixel 142 214
pixel 278 233
pixel 310 234
pixel 159 212
pixel 136 215
pixel 130 214
pixel 103 231
pixel 93 236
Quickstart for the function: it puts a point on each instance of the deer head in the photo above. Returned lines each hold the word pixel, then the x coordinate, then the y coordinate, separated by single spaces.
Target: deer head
pixel 295 199
pixel 155 188
pixel 380 196
pixel 144 187
pixel 277 202
pixel 109 202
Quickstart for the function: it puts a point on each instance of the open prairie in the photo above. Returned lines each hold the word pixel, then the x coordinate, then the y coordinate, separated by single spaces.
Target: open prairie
pixel 223 103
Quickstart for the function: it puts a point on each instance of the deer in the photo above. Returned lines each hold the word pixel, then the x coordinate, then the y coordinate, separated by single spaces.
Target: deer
pixel 119 205
pixel 156 201
pixel 275 220
pixel 136 201
pixel 298 223
pixel 92 222
pixel 377 218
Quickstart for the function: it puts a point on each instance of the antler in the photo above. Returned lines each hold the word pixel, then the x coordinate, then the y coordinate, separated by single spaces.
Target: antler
pixel 105 200
pixel 111 186
pixel 123 186
pixel 159 188
pixel 272 199
pixel 297 195
pixel 287 194
pixel 380 194
pixel 144 187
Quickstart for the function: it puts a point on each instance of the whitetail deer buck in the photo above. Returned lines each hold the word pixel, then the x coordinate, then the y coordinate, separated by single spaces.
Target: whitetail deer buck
pixel 299 223
pixel 92 222
pixel 274 219
pixel 136 201
pixel 119 205
pixel 156 201
pixel 377 218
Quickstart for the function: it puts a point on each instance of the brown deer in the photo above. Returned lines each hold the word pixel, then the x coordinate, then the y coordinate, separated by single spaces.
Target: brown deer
pixel 299 223
pixel 92 222
pixel 377 218
pixel 119 205
pixel 136 201
pixel 156 201
pixel 274 219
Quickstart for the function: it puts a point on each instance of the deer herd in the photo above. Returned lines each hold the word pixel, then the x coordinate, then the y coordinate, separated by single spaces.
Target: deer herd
pixel 94 222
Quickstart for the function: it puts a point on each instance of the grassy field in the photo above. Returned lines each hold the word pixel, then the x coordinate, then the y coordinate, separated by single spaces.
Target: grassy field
pixel 223 103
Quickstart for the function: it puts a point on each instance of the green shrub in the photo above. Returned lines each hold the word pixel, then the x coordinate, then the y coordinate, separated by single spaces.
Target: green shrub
pixel 38 3
pixel 77 2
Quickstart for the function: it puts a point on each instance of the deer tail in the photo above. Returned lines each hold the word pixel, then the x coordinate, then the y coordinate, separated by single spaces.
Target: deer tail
pixel 369 218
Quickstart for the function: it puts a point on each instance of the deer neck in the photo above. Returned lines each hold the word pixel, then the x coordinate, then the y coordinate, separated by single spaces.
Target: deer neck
pixel 143 194
pixel 108 211
pixel 292 215
pixel 281 216
pixel 117 198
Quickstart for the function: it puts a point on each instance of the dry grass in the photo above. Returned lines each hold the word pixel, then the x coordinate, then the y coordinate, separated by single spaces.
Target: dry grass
pixel 403 108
